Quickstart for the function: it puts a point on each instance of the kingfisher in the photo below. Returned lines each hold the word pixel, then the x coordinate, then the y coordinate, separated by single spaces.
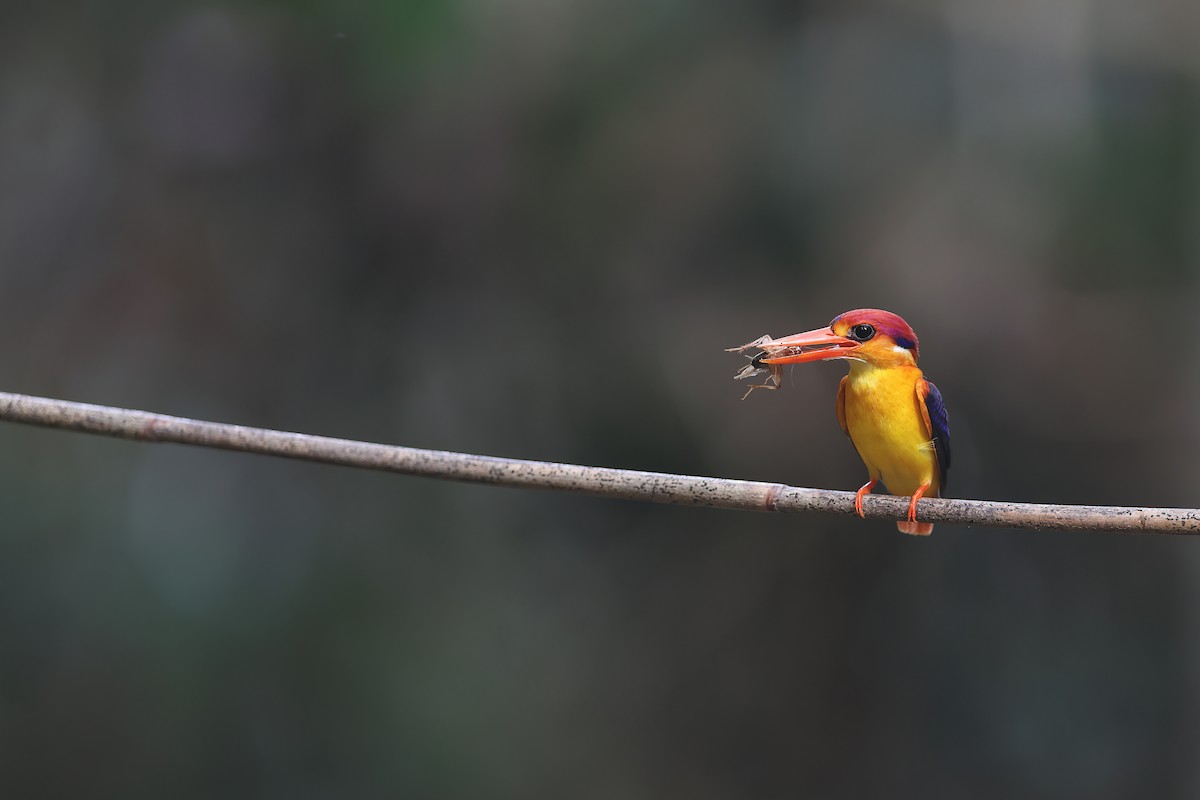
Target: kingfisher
pixel 895 418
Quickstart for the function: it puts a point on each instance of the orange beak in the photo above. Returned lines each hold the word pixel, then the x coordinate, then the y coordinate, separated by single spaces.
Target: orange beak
pixel 800 348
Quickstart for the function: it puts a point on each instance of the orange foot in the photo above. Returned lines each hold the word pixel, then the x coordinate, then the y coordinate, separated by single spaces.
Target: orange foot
pixel 860 494
pixel 911 525
pixel 912 504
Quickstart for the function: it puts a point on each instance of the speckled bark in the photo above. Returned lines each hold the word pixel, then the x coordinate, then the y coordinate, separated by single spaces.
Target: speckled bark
pixel 628 484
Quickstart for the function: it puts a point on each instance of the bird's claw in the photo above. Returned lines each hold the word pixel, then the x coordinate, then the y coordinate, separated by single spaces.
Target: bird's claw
pixel 860 494
pixel 912 503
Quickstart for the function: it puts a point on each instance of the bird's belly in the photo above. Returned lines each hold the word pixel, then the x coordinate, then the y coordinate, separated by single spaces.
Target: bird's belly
pixel 889 435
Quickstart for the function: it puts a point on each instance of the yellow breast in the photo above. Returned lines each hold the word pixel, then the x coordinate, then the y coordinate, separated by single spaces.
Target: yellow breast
pixel 884 419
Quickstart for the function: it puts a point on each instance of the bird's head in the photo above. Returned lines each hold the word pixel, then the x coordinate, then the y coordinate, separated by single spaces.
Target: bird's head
pixel 870 335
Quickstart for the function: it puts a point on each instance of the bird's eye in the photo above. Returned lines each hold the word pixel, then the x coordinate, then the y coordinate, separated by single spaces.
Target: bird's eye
pixel 861 333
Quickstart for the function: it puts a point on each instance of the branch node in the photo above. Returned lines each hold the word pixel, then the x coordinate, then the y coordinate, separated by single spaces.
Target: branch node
pixel 150 429
pixel 771 501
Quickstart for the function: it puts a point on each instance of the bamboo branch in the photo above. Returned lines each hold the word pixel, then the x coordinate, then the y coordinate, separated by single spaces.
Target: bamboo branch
pixel 657 487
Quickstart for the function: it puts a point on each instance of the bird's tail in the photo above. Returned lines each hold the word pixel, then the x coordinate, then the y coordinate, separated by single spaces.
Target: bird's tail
pixel 915 528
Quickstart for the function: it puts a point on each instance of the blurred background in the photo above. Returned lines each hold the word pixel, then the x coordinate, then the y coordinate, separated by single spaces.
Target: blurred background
pixel 528 228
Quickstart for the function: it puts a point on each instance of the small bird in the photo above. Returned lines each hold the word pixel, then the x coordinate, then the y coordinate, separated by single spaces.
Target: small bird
pixel 895 418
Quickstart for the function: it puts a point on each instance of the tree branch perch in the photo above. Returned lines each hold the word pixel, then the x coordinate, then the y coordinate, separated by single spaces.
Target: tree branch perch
pixel 655 487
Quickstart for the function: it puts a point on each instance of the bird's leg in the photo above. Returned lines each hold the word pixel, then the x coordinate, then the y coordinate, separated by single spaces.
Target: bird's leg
pixel 861 493
pixel 917 495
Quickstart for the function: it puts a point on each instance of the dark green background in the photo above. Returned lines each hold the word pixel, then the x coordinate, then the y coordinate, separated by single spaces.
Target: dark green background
pixel 528 228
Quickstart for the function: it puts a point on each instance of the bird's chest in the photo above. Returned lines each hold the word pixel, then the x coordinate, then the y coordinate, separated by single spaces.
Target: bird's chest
pixel 885 422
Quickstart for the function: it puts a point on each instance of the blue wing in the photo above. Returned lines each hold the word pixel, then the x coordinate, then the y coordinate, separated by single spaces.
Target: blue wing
pixel 939 424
